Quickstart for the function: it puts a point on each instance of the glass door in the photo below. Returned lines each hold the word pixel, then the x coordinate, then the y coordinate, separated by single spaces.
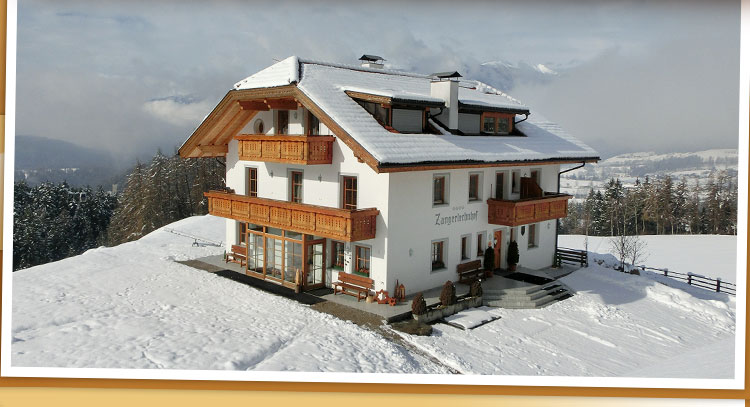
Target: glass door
pixel 273 258
pixel 315 272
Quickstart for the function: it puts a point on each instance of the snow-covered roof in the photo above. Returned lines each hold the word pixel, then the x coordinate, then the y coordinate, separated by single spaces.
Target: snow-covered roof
pixel 325 85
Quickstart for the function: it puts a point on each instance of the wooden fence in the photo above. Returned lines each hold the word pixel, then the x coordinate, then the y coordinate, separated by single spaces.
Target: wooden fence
pixel 697 280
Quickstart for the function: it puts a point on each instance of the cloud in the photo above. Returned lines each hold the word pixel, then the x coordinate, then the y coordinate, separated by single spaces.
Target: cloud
pixel 179 111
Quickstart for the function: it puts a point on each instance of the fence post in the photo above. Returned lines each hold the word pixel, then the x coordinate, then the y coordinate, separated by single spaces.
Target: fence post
pixel 718 284
pixel 690 278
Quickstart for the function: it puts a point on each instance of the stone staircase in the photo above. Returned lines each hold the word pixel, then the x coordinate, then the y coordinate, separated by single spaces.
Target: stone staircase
pixel 526 296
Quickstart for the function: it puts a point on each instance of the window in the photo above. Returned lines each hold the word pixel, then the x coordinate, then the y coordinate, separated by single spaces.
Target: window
pixel 480 244
pixel 258 127
pixel 349 192
pixel 439 189
pixel 475 186
pixel 438 261
pixel 362 260
pixel 465 247
pixel 337 255
pixel 516 181
pixel 313 124
pixel 252 182
pixel 499 185
pixel 380 113
pixel 532 236
pixel 295 194
pixel 282 122
pixel 408 120
pixel 242 233
pixel 496 123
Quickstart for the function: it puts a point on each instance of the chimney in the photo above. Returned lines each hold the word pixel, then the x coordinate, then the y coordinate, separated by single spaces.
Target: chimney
pixel 445 86
pixel 372 61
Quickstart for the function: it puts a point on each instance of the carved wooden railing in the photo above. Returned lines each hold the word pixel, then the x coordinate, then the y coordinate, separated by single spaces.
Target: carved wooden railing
pixel 341 224
pixel 525 211
pixel 285 148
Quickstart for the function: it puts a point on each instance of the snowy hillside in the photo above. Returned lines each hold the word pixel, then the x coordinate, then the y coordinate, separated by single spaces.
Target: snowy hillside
pixel 132 306
pixel 680 253
pixel 627 167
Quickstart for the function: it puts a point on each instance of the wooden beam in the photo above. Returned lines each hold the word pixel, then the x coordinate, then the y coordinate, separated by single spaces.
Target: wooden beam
pixel 258 105
pixel 215 150
pixel 368 97
pixel 282 104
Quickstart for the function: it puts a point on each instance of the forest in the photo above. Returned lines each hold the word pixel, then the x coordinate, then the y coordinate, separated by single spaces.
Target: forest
pixel 55 221
pixel 659 206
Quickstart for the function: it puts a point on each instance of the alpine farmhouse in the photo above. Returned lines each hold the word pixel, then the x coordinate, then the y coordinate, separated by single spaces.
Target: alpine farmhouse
pixel 359 169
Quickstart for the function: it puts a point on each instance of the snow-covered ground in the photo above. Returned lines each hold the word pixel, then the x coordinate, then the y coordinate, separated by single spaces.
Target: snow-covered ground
pixel 615 325
pixel 132 306
pixel 708 255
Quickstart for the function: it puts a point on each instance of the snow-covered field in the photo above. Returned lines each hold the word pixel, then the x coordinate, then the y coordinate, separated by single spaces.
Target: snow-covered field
pixel 132 306
pixel 708 255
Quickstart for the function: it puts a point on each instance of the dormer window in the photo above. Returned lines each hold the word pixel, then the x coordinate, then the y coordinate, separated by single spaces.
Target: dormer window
pixel 497 123
pixel 380 113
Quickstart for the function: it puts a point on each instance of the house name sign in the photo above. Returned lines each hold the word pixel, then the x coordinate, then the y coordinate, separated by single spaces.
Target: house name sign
pixel 464 216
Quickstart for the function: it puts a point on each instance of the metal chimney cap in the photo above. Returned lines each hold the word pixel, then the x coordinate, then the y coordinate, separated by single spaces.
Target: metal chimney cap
pixel 447 75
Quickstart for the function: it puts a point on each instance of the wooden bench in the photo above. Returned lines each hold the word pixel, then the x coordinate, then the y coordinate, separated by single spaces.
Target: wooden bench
pixel 469 272
pixel 352 284
pixel 237 255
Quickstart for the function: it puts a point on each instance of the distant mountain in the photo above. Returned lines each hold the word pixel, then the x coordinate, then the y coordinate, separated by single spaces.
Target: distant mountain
pixel 40 159
pixel 506 75
pixel 695 166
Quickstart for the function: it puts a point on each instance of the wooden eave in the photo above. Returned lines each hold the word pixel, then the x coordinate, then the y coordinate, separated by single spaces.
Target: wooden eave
pixel 393 101
pixel 212 136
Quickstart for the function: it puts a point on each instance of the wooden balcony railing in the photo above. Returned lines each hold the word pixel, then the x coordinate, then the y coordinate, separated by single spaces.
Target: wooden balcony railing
pixel 349 225
pixel 525 211
pixel 305 150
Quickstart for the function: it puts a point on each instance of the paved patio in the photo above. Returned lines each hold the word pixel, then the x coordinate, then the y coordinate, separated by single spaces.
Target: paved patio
pixel 216 264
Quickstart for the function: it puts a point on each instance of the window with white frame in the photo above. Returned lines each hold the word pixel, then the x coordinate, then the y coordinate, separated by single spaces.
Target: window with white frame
pixel 475 186
pixel 533 235
pixel 465 247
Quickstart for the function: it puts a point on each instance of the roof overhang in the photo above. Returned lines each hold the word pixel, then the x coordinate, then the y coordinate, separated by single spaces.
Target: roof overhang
pixel 234 111
pixel 464 107
pixel 441 165
pixel 393 100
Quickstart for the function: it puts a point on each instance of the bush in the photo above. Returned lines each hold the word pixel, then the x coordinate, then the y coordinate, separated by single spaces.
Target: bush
pixel 448 295
pixel 418 305
pixel 476 289
pixel 513 255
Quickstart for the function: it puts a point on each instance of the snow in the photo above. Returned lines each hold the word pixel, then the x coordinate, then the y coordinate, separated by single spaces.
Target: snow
pixel 473 317
pixel 679 253
pixel 324 83
pixel 616 324
pixel 133 306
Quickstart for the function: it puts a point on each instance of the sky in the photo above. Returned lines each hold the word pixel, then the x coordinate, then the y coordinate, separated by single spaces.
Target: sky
pixel 131 77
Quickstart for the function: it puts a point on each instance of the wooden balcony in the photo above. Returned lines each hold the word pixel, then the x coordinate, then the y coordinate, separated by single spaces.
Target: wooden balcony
pixel 306 150
pixel 340 224
pixel 525 211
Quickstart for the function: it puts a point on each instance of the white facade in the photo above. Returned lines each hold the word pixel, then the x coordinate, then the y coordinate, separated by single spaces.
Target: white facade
pixel 408 222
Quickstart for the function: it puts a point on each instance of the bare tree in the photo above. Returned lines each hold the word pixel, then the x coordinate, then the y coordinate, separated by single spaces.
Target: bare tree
pixel 637 253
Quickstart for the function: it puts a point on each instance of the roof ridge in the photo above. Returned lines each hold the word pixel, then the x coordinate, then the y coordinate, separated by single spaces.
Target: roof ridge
pixel 364 69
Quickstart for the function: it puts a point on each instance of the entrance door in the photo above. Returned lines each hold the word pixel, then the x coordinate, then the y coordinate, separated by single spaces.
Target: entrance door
pixel 498 240
pixel 316 265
